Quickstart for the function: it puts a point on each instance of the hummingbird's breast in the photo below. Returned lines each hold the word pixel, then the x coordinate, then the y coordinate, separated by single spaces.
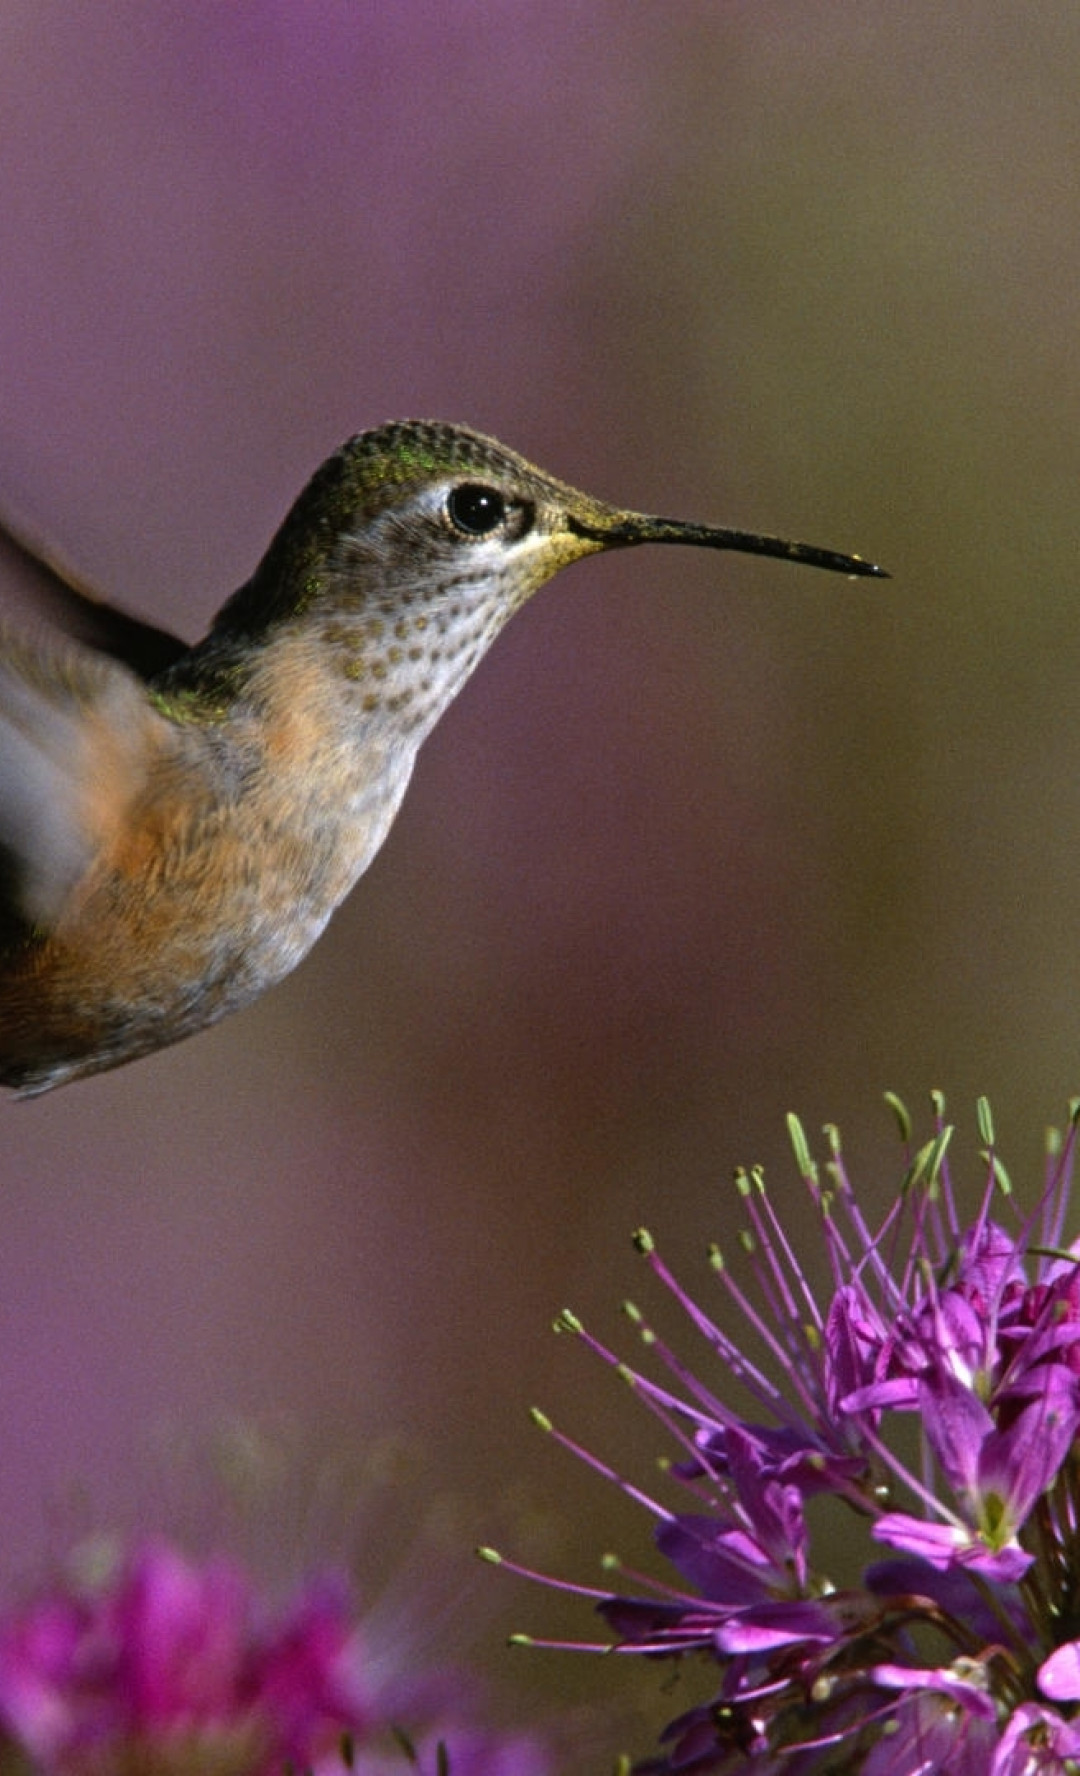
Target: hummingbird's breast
pixel 243 840
pixel 249 818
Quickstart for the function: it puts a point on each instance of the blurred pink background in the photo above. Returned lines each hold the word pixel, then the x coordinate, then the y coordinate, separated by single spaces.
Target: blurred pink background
pixel 708 838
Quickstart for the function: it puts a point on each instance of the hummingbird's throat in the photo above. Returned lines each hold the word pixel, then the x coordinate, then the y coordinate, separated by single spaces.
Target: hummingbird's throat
pixel 403 668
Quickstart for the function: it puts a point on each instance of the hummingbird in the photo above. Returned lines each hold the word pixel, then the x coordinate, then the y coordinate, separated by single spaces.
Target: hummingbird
pixel 178 823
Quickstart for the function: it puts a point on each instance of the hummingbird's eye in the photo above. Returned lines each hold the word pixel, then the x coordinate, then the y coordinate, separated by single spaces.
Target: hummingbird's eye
pixel 474 509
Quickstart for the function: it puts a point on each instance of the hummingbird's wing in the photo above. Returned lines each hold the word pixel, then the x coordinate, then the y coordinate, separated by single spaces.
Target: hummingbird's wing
pixel 55 593
pixel 74 742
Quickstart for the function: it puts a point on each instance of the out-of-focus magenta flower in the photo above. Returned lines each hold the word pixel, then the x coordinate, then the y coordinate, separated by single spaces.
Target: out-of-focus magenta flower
pixel 165 1666
pixel 168 1661
pixel 960 1653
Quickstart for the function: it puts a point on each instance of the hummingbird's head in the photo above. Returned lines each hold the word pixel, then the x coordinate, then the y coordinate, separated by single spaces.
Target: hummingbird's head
pixel 420 517
pixel 404 556
pixel 417 517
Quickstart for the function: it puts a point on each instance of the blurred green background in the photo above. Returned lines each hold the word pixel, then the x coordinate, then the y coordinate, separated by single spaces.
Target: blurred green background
pixel 707 839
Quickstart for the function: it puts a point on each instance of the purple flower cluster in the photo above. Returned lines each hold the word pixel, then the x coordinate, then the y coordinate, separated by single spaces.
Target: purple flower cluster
pixel 927 1405
pixel 164 1666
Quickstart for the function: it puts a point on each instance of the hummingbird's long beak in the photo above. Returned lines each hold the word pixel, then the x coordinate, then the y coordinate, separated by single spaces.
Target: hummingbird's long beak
pixel 630 528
